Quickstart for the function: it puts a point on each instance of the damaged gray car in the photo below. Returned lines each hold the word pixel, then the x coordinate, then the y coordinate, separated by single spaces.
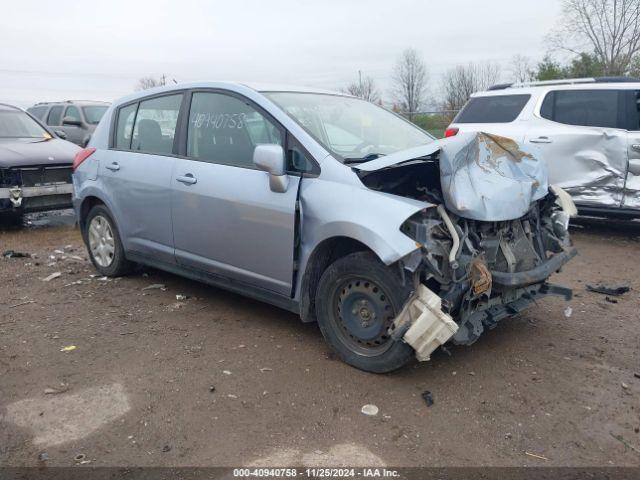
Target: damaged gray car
pixel 328 206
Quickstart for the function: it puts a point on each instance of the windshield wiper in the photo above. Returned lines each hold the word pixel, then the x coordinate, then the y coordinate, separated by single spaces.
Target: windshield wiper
pixel 366 158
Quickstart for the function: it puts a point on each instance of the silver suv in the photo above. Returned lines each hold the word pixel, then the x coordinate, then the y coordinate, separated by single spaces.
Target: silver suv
pixel 72 120
pixel 325 205
pixel 588 130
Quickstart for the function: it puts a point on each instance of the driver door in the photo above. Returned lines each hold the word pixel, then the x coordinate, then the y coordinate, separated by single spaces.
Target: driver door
pixel 226 220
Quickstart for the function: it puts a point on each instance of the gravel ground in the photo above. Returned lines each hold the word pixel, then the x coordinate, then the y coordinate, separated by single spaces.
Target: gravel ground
pixel 217 379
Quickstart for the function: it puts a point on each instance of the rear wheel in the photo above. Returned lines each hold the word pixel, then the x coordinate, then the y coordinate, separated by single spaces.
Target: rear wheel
pixel 104 245
pixel 358 298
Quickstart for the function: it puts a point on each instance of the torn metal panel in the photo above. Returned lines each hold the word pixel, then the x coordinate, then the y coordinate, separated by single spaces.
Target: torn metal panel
pixel 490 178
pixel 482 177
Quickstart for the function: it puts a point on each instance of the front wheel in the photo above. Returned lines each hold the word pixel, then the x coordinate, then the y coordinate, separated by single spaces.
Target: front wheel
pixel 357 300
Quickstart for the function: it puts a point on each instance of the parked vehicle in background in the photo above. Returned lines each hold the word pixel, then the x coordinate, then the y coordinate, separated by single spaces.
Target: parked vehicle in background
pixel 326 205
pixel 76 118
pixel 588 130
pixel 35 166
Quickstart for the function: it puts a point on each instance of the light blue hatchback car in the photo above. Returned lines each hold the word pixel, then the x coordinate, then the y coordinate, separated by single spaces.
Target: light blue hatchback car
pixel 325 205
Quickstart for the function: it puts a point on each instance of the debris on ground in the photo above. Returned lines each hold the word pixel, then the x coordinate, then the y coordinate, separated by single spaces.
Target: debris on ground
pixel 55 391
pixel 621 439
pixel 637 375
pixel 266 369
pixel 155 286
pixel 615 290
pixel 624 386
pixel 610 300
pixel 369 410
pixel 14 254
pixel 568 311
pixel 26 302
pixel 70 348
pixel 43 457
pixel 227 372
pixel 536 456
pixel 181 297
pixel 80 457
pixel 52 276
pixel 212 388
pixel 166 448
pixel 427 397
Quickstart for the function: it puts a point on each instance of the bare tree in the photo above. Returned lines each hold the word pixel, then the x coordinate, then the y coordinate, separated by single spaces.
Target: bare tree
pixel 460 82
pixel 522 69
pixel 608 28
pixel 146 83
pixel 364 88
pixel 410 82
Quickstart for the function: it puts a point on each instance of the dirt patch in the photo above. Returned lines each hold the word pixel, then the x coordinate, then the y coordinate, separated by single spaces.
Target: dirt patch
pixel 217 379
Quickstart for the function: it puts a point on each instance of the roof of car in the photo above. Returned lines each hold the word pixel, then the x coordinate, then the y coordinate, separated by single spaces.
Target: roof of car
pixel 603 83
pixel 73 102
pixel 229 85
pixel 6 106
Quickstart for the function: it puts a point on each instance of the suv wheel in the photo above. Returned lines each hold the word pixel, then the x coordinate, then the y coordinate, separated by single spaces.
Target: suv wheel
pixel 358 298
pixel 104 245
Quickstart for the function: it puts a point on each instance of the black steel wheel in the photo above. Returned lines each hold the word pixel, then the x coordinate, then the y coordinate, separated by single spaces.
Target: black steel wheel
pixel 357 300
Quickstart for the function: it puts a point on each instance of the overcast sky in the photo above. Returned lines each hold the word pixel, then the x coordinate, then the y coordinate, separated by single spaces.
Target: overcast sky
pixel 55 50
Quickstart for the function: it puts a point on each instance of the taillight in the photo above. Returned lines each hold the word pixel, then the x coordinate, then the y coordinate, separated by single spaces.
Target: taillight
pixel 451 132
pixel 81 156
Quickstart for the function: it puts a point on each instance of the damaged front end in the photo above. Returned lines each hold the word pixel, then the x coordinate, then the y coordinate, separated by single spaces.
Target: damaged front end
pixel 490 239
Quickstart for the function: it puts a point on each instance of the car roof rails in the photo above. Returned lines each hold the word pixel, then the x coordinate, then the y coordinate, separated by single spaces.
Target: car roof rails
pixel 565 81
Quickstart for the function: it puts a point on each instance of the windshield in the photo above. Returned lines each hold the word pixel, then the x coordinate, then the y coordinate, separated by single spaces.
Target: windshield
pixel 352 129
pixel 17 124
pixel 94 114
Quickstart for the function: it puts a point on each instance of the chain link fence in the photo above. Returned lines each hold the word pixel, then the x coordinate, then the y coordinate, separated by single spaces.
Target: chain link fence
pixel 434 122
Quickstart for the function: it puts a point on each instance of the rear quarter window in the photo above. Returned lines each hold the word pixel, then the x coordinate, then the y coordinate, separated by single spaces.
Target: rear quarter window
pixel 492 109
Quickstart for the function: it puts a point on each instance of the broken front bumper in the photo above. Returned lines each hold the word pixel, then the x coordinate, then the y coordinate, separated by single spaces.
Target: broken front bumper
pixel 37 198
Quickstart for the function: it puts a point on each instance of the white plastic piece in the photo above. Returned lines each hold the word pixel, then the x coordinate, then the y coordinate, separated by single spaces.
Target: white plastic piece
pixel 430 326
pixel 564 200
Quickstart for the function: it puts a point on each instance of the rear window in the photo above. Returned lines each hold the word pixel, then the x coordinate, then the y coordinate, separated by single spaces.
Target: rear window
pixel 589 108
pixel 493 109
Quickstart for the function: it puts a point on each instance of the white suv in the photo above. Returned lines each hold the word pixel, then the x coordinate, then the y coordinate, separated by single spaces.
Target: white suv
pixel 588 130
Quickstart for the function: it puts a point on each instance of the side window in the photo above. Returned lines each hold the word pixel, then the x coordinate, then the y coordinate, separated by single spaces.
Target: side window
pixel 55 115
pixel 124 126
pixel 225 129
pixel 155 125
pixel 589 108
pixel 73 113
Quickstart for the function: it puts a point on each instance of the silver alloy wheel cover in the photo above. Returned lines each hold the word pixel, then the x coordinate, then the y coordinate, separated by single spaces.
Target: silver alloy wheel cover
pixel 101 241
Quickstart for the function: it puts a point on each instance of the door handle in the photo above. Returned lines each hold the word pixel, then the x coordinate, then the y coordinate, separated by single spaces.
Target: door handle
pixel 541 140
pixel 114 167
pixel 187 179
pixel 636 147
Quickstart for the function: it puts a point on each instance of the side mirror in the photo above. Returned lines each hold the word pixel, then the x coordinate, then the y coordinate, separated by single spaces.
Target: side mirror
pixel 270 158
pixel 71 121
pixel 60 134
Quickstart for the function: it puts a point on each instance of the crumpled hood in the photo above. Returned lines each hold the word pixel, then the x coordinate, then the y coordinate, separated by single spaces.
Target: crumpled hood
pixel 24 152
pixel 483 177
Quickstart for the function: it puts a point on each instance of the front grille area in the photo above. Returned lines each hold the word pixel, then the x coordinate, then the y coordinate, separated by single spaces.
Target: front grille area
pixel 35 176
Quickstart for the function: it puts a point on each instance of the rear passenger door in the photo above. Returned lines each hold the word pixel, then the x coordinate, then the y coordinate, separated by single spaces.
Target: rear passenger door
pixel 137 175
pixel 581 134
pixel 226 220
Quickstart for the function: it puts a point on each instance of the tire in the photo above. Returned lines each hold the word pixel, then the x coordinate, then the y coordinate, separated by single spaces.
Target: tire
pixel 357 299
pixel 110 260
